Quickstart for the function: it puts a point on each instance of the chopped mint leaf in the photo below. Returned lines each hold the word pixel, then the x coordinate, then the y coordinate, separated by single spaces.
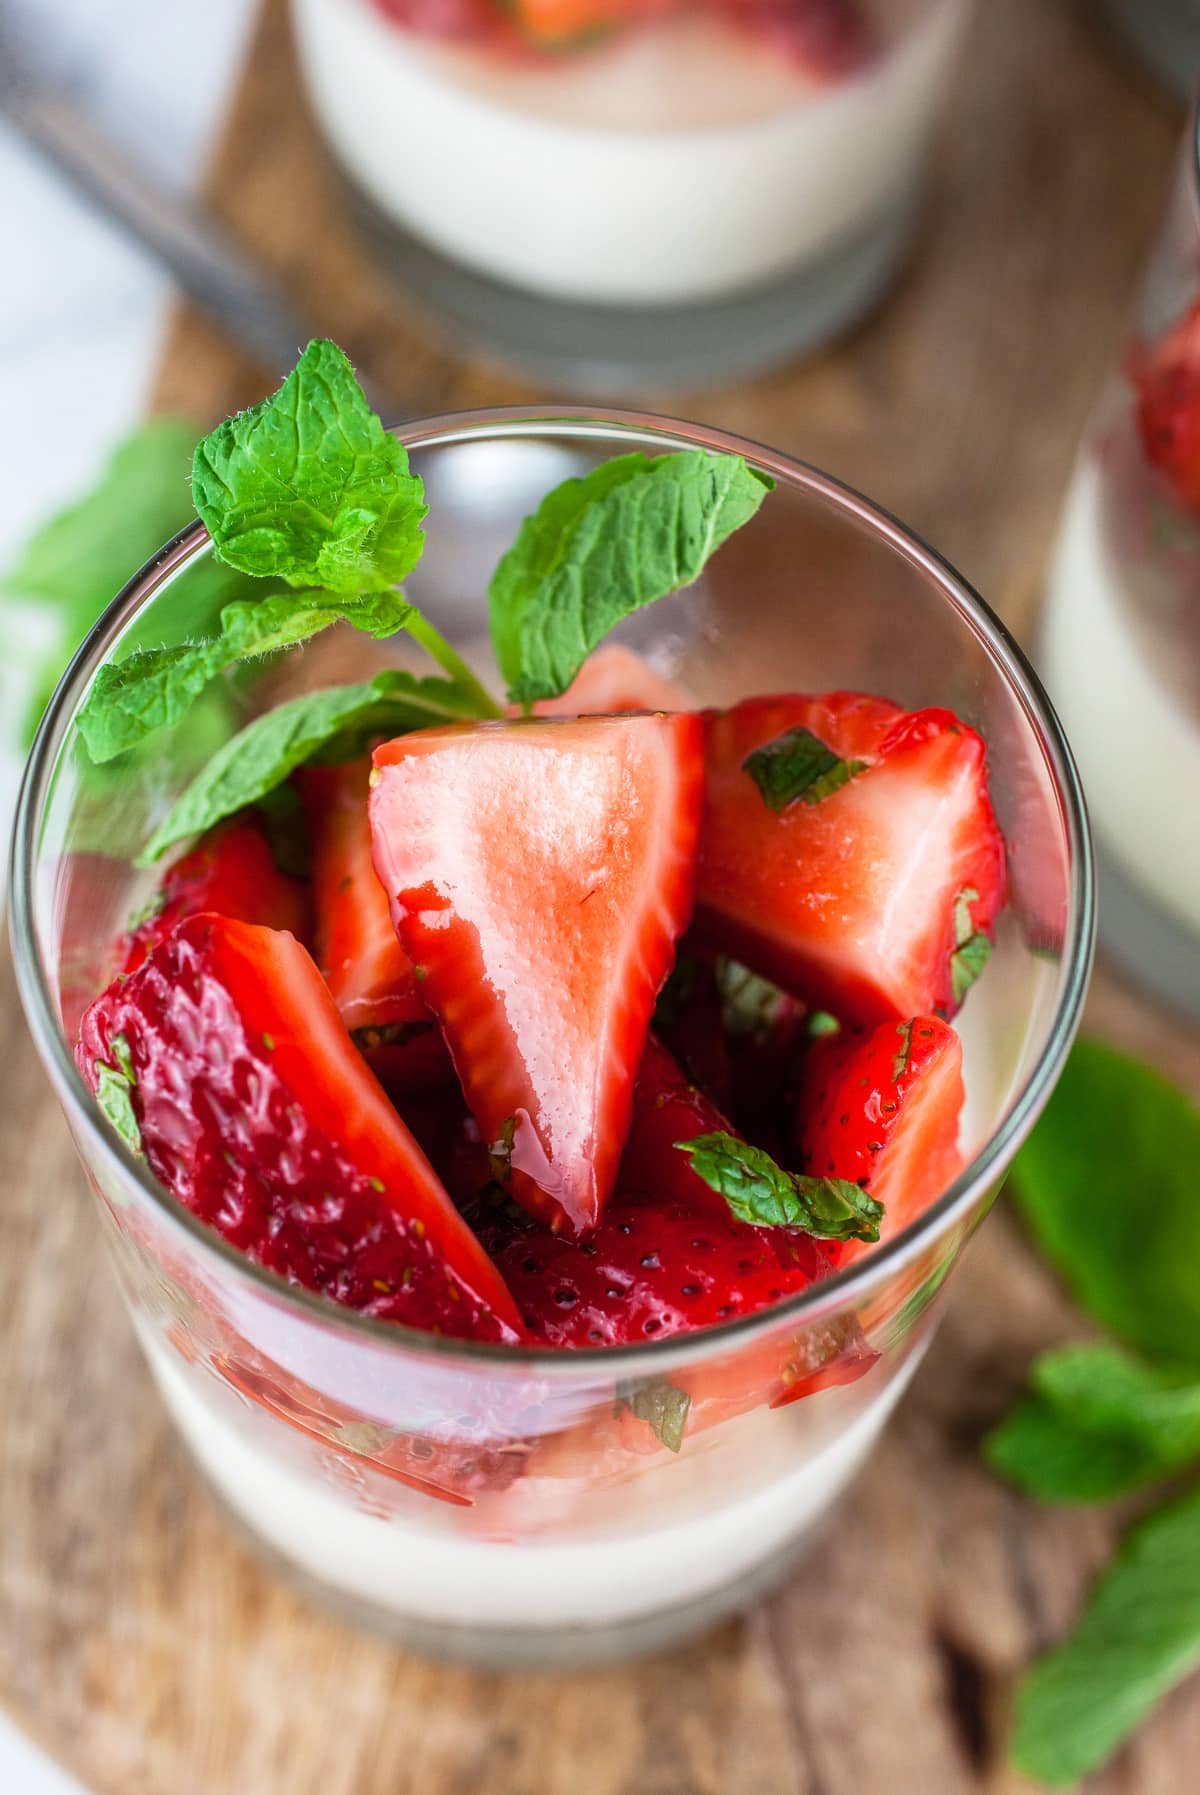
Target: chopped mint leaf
pixel 798 765
pixel 156 687
pixel 1098 1424
pixel 966 964
pixel 761 1193
pixel 664 1406
pixel 500 1151
pixel 332 724
pixel 904 1053
pixel 750 1006
pixel 964 928
pixel 115 1086
pixel 596 549
pixel 1139 1635
pixel 1107 1186
pixel 309 487
pixel 80 558
pixel 819 1023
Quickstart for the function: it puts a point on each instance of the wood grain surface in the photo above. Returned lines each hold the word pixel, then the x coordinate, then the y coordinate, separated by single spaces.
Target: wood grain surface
pixel 143 1642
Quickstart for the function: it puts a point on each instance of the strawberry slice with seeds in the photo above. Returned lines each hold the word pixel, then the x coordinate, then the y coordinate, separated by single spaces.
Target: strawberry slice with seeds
pixel 882 1109
pixel 849 852
pixel 1166 378
pixel 231 871
pixel 668 1256
pixel 369 975
pixel 540 873
pixel 255 1109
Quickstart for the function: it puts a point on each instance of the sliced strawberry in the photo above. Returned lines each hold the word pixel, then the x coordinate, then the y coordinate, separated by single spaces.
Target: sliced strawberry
pixel 368 972
pixel 1166 377
pixel 882 1109
pixel 668 1256
pixel 230 871
pixel 540 873
pixel 863 901
pixel 612 680
pixel 257 1112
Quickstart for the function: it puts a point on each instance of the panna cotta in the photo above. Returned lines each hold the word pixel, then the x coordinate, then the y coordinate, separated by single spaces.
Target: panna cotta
pixel 684 156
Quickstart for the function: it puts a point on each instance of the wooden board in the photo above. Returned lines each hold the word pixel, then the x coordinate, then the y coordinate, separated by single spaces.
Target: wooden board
pixel 142 1641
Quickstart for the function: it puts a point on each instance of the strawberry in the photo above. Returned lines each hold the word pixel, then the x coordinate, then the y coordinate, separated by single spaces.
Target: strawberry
pixel 828 39
pixel 540 873
pixel 230 871
pixel 881 1109
pixel 1166 378
pixel 255 1109
pixel 668 1256
pixel 873 892
pixel 612 680
pixel 369 975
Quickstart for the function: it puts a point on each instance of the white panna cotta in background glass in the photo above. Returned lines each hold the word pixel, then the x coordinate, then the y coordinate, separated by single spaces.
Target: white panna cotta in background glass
pixel 1120 635
pixel 496 1503
pixel 684 160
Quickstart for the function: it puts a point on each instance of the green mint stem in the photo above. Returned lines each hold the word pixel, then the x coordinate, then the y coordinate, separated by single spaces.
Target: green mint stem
pixel 451 662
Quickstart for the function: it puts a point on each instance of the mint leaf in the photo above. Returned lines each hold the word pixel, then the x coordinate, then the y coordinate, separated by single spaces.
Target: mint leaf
pixel 332 724
pixel 115 1086
pixel 966 964
pixel 903 1052
pixel 751 1007
pixel 599 548
pixel 156 687
pixel 1139 1635
pixel 1107 1186
pixel 79 559
pixel 1098 1424
pixel 309 487
pixel 798 765
pixel 663 1405
pixel 761 1193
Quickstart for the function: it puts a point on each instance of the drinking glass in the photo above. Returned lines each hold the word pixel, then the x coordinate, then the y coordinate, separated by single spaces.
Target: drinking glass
pixel 514 1505
pixel 1120 636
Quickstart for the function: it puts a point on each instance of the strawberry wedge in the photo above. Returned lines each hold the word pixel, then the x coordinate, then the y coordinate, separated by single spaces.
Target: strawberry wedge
pixel 232 871
pixel 872 891
pixel 540 873
pixel 255 1109
pixel 882 1109
pixel 369 975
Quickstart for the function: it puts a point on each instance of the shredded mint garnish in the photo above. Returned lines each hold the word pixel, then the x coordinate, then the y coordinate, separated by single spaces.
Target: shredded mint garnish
pixel 634 529
pixel 760 1192
pixel 966 964
pixel 798 765
pixel 664 1406
pixel 750 1006
pixel 333 724
pixel 904 1052
pixel 309 487
pixel 115 1085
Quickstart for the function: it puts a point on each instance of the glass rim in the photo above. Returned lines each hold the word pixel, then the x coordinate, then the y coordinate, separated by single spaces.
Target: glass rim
pixel 847 1286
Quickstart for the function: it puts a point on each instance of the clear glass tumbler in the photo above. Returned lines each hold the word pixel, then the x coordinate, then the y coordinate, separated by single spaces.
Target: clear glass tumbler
pixel 515 1506
pixel 615 192
pixel 1120 638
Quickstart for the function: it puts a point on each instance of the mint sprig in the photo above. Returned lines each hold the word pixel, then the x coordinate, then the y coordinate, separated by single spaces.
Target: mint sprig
pixel 599 548
pixel 115 1085
pixel 309 487
pixel 1106 1184
pixel 333 724
pixel 762 1193
pixel 156 687
pixel 799 767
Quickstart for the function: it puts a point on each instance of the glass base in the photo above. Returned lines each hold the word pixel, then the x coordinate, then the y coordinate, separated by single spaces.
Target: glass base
pixel 1165 34
pixel 608 351
pixel 1147 943
pixel 524 1648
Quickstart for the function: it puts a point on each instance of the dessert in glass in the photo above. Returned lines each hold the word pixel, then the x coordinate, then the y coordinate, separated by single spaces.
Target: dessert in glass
pixel 1121 629
pixel 612 192
pixel 514 1284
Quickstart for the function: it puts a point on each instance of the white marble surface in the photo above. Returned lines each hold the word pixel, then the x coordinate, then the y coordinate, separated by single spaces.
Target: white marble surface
pixel 81 316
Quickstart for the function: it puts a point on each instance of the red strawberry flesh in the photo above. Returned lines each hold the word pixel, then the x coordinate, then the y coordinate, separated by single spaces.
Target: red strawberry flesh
pixel 1167 381
pixel 853 903
pixel 230 871
pixel 258 1113
pixel 882 1109
pixel 540 873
